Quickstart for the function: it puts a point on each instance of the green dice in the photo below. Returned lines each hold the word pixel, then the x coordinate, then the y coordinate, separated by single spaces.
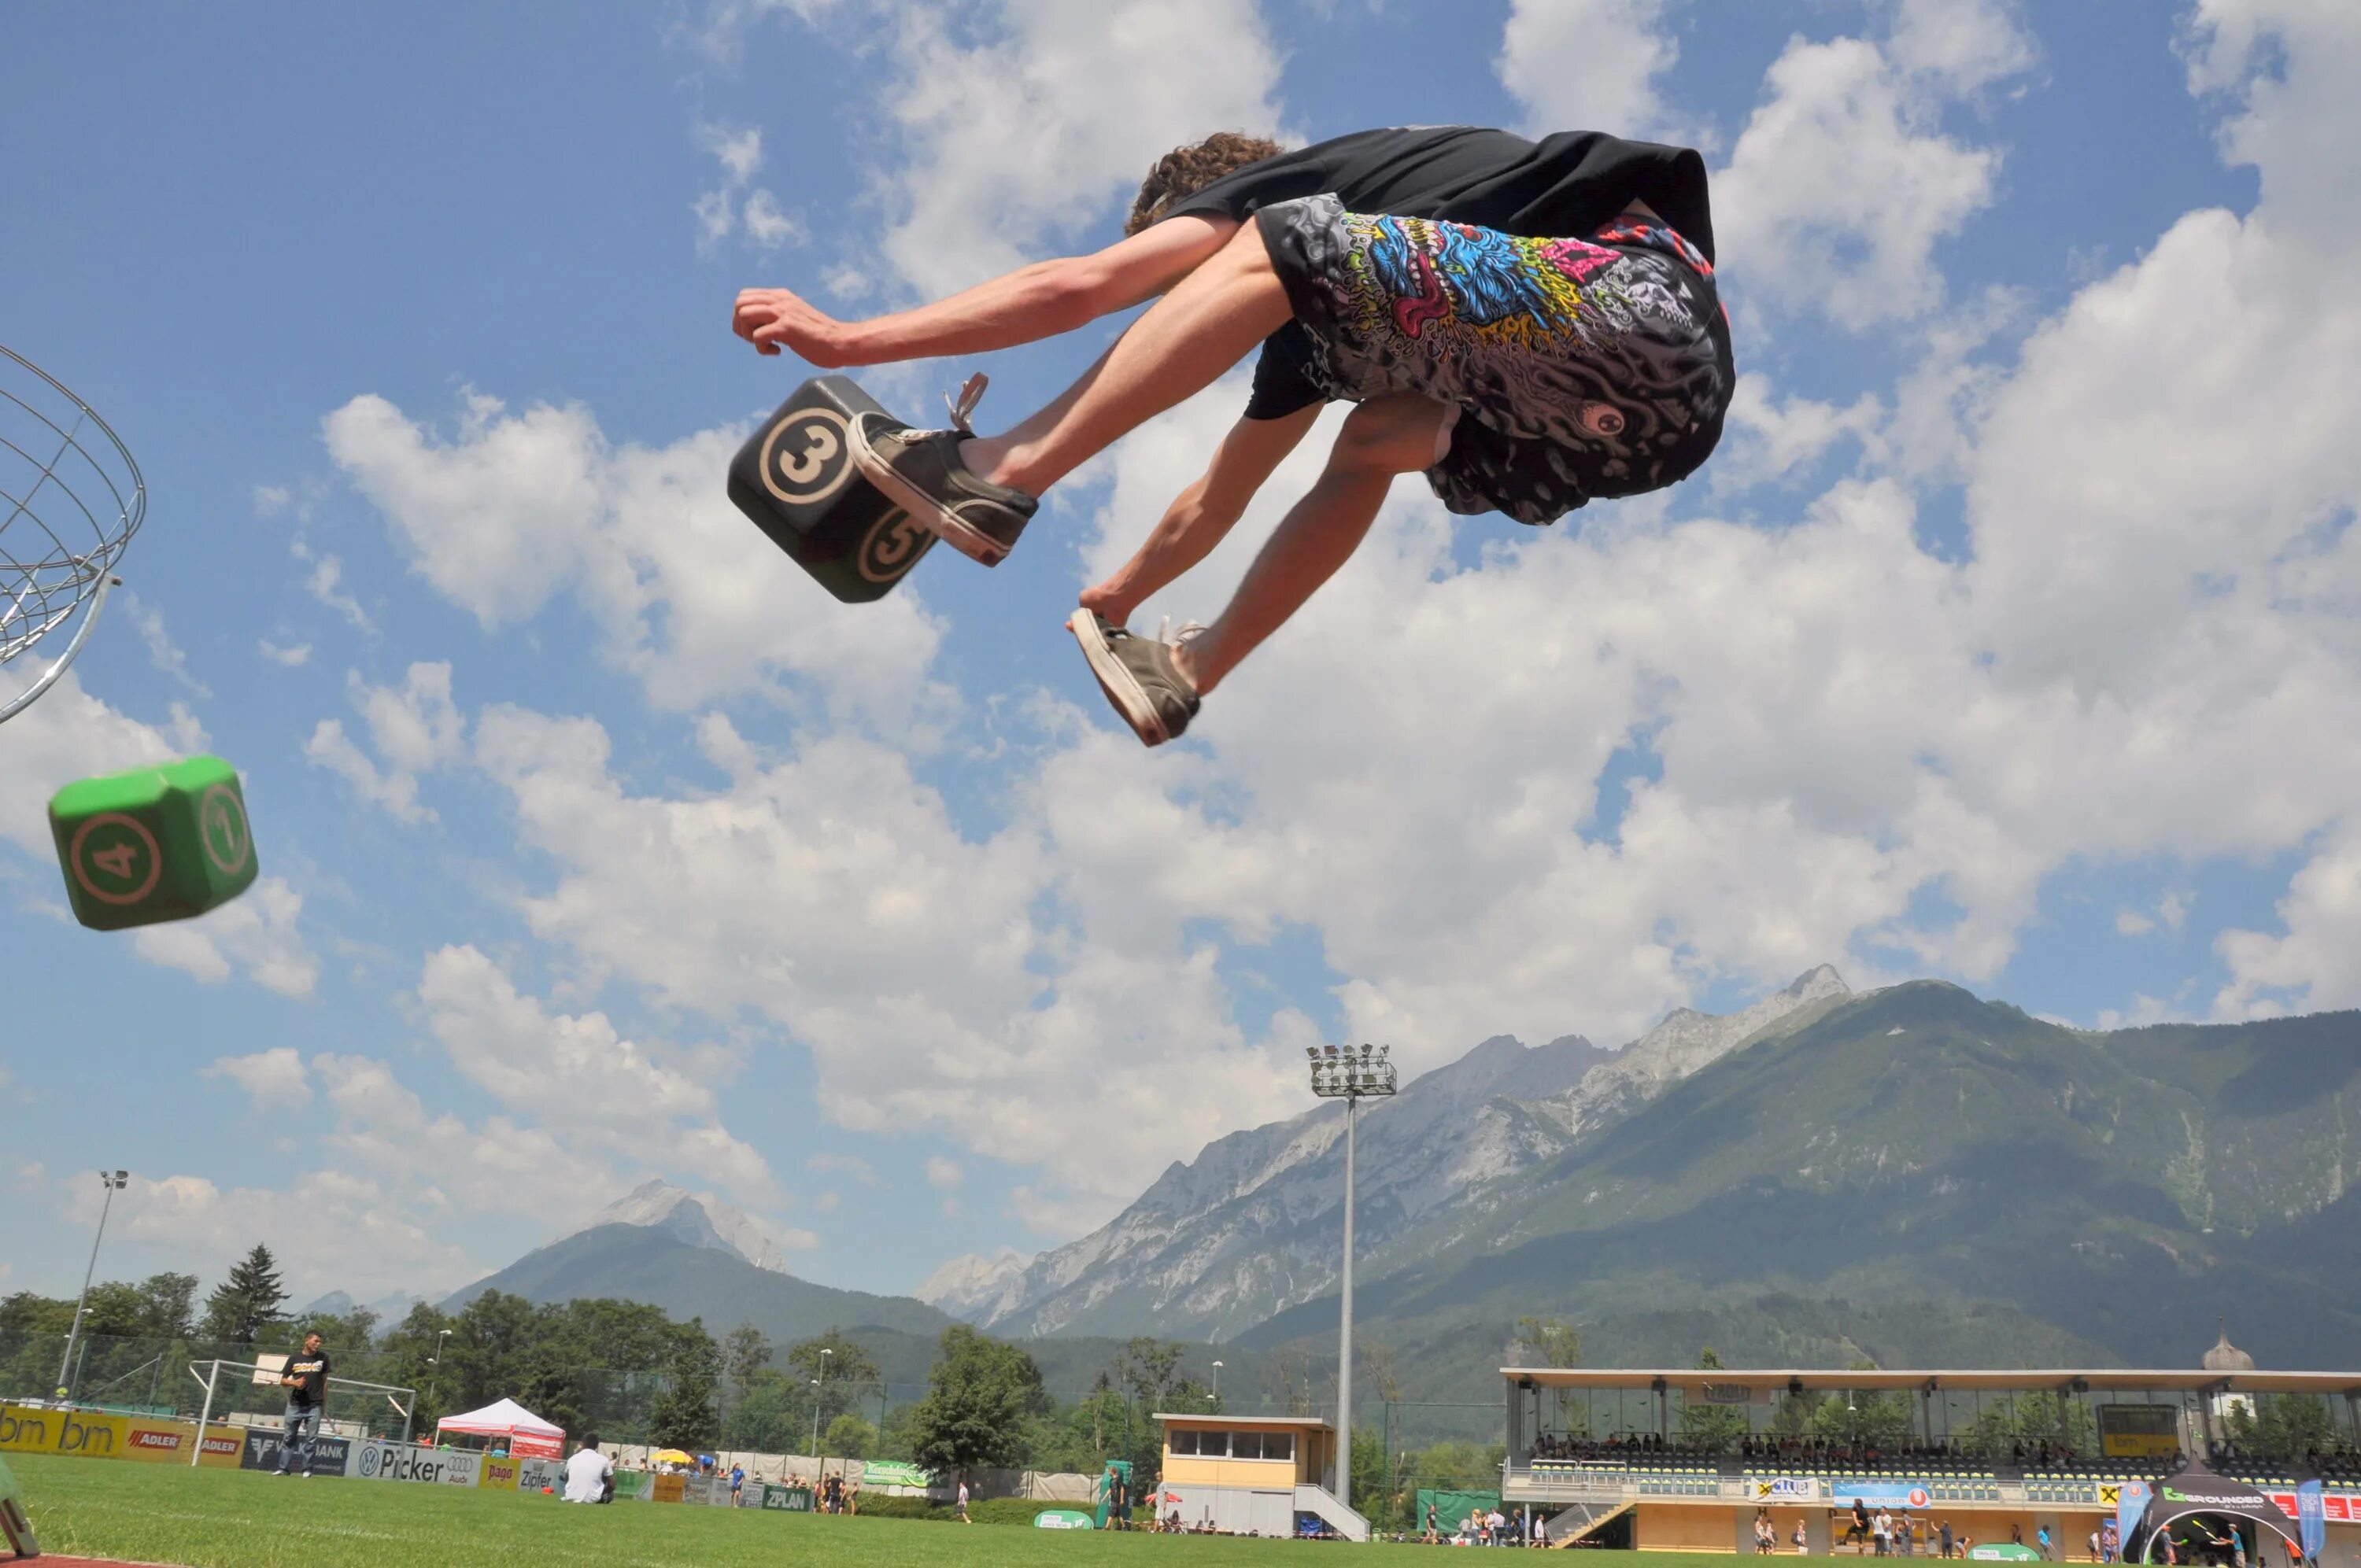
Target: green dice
pixel 153 844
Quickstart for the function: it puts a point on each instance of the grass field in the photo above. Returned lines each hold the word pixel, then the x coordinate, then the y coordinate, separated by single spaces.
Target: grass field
pixel 243 1519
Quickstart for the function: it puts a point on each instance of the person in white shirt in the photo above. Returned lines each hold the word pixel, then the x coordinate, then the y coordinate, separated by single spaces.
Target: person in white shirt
pixel 587 1472
pixel 962 1502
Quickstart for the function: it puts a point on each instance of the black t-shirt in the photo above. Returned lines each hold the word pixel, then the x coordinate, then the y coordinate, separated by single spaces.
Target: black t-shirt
pixel 1567 183
pixel 310 1370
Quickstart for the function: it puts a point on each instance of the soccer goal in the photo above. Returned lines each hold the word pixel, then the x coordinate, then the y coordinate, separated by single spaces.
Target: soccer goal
pixel 250 1394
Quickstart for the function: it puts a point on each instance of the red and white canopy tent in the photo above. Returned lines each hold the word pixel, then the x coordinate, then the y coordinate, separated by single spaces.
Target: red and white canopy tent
pixel 526 1434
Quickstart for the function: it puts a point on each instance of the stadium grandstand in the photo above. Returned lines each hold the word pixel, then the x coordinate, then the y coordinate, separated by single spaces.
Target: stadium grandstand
pixel 1702 1459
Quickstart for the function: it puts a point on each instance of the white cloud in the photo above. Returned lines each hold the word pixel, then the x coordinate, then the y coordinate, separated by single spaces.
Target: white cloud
pixel 944 1175
pixel 1023 140
pixel 768 227
pixel 415 730
pixel 273 1080
pixel 1766 437
pixel 255 934
pixel 2314 963
pixel 292 656
pixel 1860 252
pixel 851 1165
pixel 163 652
pixel 580 1079
pixel 720 210
pixel 1588 64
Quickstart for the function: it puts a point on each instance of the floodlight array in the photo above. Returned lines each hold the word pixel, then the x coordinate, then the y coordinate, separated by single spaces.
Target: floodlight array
pixel 1350 1072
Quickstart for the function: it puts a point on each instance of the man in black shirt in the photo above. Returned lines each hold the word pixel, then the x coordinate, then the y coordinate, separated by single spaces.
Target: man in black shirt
pixel 1531 323
pixel 305 1377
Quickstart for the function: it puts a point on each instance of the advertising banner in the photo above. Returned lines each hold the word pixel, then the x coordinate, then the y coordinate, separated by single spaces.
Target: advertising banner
pixel 1786 1489
pixel 2131 1502
pixel 155 1442
pixel 1887 1494
pixel 667 1488
pixel 28 1429
pixel 634 1485
pixel 376 1460
pixel 1063 1518
pixel 892 1473
pixel 330 1455
pixel 499 1475
pixel 787 1499
pixel 2312 1519
pixel 534 1474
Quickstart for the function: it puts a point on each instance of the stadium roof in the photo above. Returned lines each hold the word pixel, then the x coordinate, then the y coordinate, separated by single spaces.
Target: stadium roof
pixel 1691 1380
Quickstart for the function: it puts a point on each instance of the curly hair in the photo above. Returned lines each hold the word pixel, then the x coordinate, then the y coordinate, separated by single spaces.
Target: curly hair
pixel 1185 170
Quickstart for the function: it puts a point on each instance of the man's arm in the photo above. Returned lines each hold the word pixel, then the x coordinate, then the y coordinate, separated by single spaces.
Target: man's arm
pixel 1024 306
pixel 1202 515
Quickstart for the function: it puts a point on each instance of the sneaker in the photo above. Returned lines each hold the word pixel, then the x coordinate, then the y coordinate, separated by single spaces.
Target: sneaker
pixel 1138 675
pixel 920 471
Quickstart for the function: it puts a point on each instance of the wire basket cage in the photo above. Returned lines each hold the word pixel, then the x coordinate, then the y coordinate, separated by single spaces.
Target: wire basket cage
pixel 71 498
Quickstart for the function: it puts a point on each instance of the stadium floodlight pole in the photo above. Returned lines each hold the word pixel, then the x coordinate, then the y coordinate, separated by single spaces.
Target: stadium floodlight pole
pixel 1216 1394
pixel 1350 1077
pixel 114 1181
pixel 436 1361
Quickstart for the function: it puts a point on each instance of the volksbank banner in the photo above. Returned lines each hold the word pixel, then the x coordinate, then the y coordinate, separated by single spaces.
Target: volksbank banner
pixel 330 1455
pixel 379 1461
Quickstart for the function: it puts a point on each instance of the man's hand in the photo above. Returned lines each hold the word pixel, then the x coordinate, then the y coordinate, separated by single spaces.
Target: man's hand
pixel 772 319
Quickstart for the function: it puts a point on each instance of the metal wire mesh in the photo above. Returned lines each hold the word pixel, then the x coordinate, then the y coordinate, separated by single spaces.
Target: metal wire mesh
pixel 71 498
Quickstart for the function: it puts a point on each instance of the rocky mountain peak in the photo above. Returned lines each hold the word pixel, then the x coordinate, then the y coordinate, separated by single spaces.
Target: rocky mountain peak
pixel 701 1222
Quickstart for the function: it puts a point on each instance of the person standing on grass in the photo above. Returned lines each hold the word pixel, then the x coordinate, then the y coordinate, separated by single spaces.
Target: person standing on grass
pixel 1534 325
pixel 305 1377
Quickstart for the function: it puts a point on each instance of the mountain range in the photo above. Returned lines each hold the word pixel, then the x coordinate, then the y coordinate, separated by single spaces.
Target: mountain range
pixel 1912 1175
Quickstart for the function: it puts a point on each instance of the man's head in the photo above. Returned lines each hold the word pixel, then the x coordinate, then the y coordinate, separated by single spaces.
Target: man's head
pixel 591 1441
pixel 1185 170
pixel 311 1342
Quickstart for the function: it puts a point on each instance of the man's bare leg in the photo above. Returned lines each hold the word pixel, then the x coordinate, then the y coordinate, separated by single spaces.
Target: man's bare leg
pixel 1209 322
pixel 1384 437
pixel 1202 515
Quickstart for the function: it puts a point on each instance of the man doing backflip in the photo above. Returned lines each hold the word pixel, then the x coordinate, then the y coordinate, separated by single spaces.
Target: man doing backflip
pixel 1532 324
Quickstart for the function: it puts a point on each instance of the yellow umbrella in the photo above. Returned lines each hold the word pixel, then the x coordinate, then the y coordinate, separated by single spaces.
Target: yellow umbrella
pixel 670 1456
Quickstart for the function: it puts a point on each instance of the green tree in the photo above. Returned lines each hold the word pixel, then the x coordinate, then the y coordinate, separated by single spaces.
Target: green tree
pixel 849 1437
pixel 1709 1428
pixel 980 1396
pixel 1547 1341
pixel 744 1352
pixel 249 1302
pixel 1148 1366
pixel 683 1414
pixel 169 1306
pixel 771 1415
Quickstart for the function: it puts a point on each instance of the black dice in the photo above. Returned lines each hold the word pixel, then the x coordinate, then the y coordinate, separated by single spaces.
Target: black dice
pixel 796 477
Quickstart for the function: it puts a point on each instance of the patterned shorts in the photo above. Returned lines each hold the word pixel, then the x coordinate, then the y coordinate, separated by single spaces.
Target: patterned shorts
pixel 1582 368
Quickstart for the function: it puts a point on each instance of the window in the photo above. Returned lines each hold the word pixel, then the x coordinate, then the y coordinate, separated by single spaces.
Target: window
pixel 1245 1445
pixel 1279 1445
pixel 1184 1439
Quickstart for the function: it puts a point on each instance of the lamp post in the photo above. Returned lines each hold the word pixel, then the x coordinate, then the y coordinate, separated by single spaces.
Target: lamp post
pixel 1351 1076
pixel 114 1181
pixel 1216 1395
pixel 436 1361
pixel 818 1388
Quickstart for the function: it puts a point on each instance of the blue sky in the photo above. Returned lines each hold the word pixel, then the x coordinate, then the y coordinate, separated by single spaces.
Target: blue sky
pixel 2009 639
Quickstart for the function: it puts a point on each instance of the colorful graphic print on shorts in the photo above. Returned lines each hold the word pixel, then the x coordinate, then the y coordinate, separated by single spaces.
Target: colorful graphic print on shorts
pixel 1601 353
